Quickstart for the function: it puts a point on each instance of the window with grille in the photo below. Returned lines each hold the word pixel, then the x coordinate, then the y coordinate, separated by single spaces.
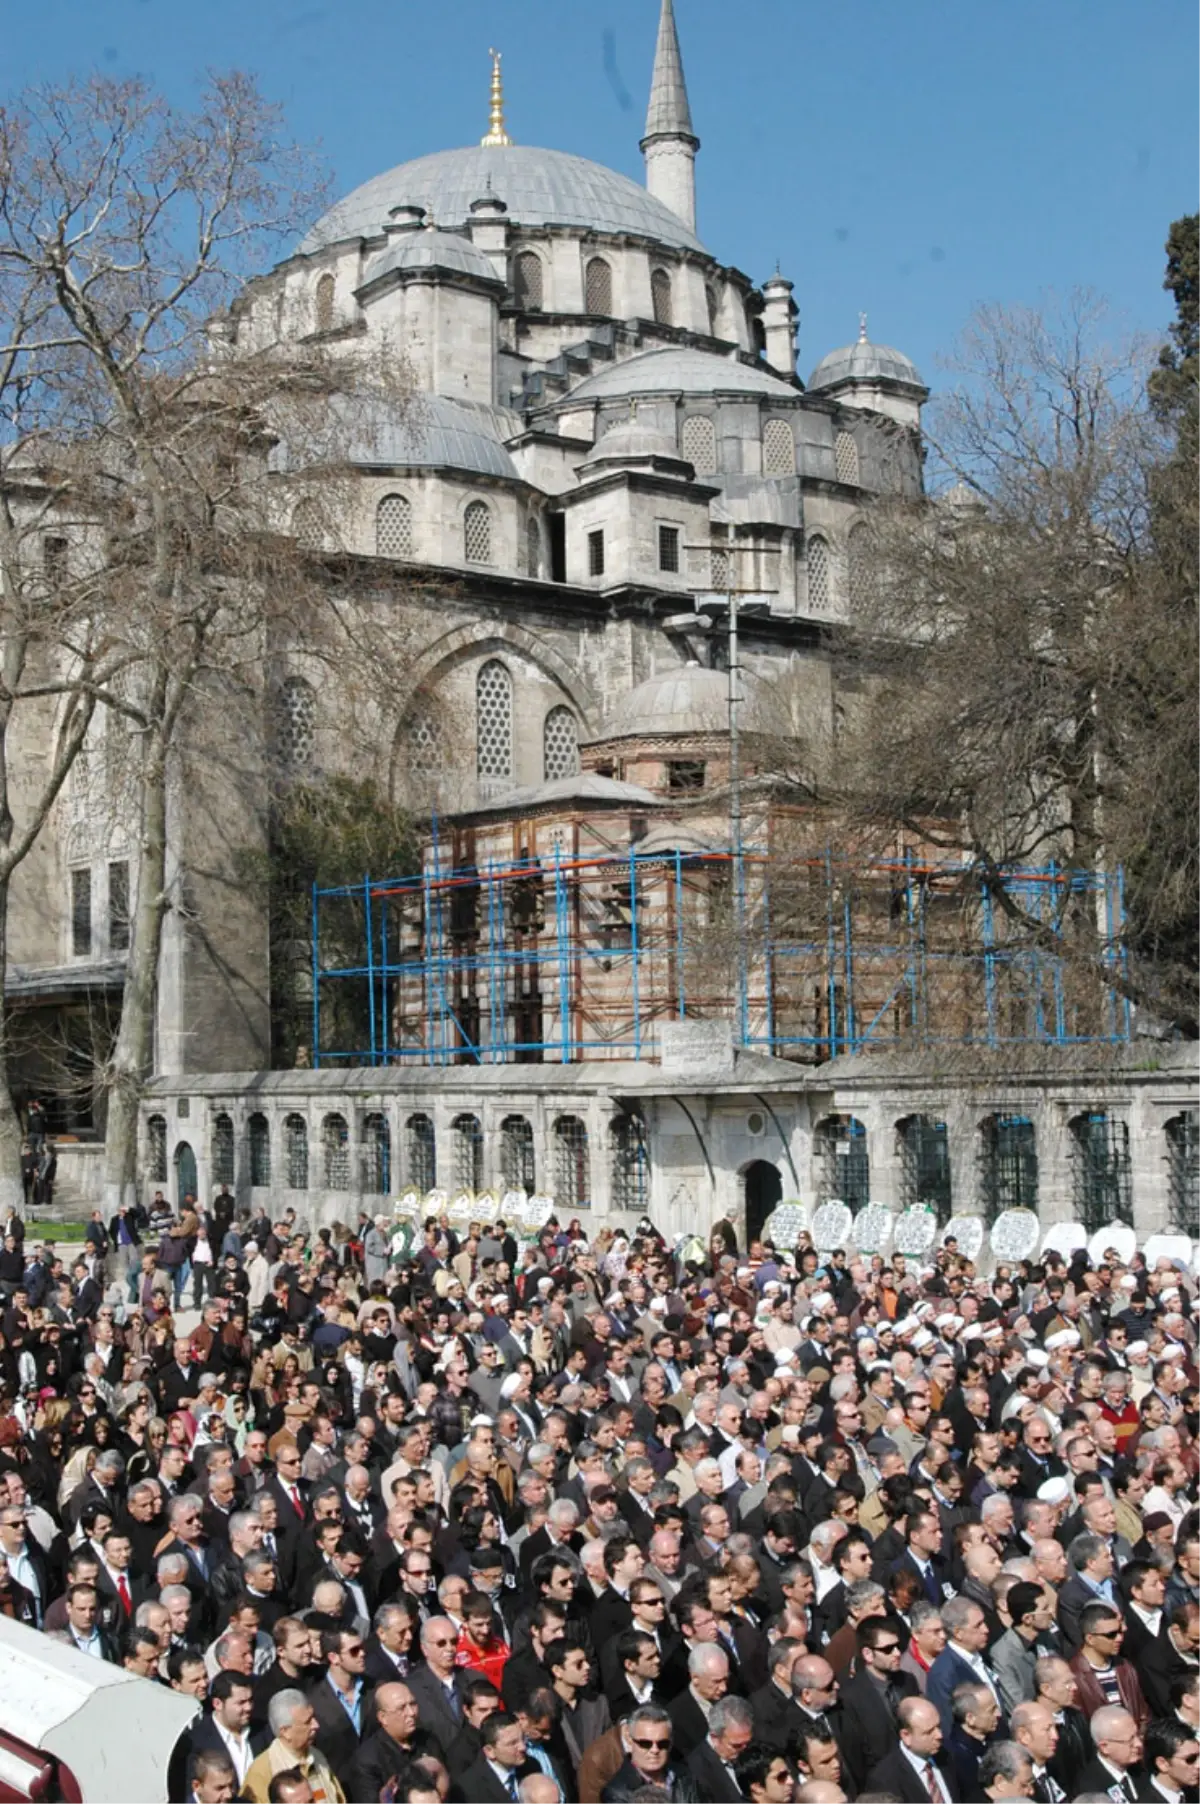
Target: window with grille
pixel 529 281
pixel 394 527
pixel 335 1143
pixel 295 723
pixel 307 528
pixel 156 1149
pixel 698 443
pixel 324 303
pixel 560 745
pixel 81 912
pixel 595 545
pixel 1008 1165
pixel 779 449
pixel 572 1179
pixel 477 533
pixel 818 574
pixel 376 1154
pixel 668 548
pixel 845 458
pixel 258 1146
pixel 660 296
pixel 720 564
pixel 118 906
pixel 684 774
pixel 1183 1171
pixel 533 548
pixel 842 1160
pixel 424 745
pixel 858 567
pixel 597 286
pixel 55 565
pixel 466 1138
pixel 629 1163
pixel 924 1148
pixel 493 720
pixel 420 1152
pixel 222 1149
pixel 295 1146
pixel 1101 1179
pixel 516 1154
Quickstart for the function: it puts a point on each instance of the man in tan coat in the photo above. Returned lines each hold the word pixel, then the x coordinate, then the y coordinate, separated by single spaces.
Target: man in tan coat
pixel 294 1726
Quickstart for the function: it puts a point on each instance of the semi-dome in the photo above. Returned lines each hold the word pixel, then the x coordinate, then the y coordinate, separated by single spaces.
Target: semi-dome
pixel 690 700
pixel 680 370
pixel 538 187
pixel 865 362
pixel 435 250
pixel 423 432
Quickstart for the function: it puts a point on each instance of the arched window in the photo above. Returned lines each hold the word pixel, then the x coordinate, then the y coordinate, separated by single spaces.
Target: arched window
pixel 156 1149
pixel 324 303
pixel 818 575
pixel 660 296
pixel 493 720
pixel 335 1143
pixel 467 1149
pixel 858 567
pixel 533 547
pixel 629 1163
pixel 516 1154
pixel 597 287
pixel 477 533
pixel 778 449
pixel 295 723
pixel 420 1153
pixel 393 527
pixel 529 281
pixel 845 458
pixel 258 1136
pixel 185 1176
pixel 424 737
pixel 295 1149
pixel 1008 1165
pixel 1183 1171
pixel 1101 1180
pixel 843 1166
pixel 572 1179
pixel 698 443
pixel 222 1149
pixel 308 529
pixel 560 745
pixel 376 1154
pixel 924 1148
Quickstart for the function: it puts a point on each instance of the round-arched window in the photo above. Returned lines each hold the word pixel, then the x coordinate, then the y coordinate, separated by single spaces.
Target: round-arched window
pixel 529 281
pixel 394 527
pixel 477 533
pixel 660 296
pixel 597 286
pixel 493 720
pixel 560 744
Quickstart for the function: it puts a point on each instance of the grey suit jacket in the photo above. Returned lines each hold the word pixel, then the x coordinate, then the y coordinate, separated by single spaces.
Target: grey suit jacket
pixel 1013 1663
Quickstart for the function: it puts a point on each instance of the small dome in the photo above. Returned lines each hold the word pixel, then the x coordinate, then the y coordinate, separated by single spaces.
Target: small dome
pixel 679 371
pixel 633 441
pixel 865 362
pixel 689 701
pixel 963 498
pixel 445 251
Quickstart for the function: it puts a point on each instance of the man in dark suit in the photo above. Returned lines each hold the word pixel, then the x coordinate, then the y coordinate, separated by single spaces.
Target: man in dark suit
pixel 1058 1690
pixel 777 1717
pixel 1037 1458
pixel 339 1700
pixel 1170 1656
pixel 435 1684
pixel 227 1730
pixel 870 1699
pixel 1113 1768
pixel 289 1491
pixel 708 1681
pixel 912 1770
pixel 646 1738
pixel 1092 1560
pixel 1169 1761
pixel 961 1661
pixel 730 1732
pixel 503 1763
pixel 923 1555
pixel 396 1741
pixel 623 1562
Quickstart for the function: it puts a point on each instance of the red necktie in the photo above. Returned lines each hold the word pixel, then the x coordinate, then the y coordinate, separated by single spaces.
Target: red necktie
pixel 123 1593
pixel 296 1503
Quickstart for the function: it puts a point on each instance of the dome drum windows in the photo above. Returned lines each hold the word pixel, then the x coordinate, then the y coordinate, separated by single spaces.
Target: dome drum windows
pixel 598 287
pixel 295 723
pixel 778 449
pixel 493 721
pixel 477 533
pixel 819 590
pixel 560 745
pixel 845 459
pixel 698 443
pixel 394 527
pixel 528 284
pixel 660 297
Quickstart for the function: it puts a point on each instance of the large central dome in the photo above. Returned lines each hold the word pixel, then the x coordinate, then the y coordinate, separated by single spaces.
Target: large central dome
pixel 539 188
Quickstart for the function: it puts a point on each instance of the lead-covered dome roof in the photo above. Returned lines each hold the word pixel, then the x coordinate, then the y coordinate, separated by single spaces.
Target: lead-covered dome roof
pixel 690 700
pixel 680 370
pixel 865 362
pixel 436 250
pixel 538 187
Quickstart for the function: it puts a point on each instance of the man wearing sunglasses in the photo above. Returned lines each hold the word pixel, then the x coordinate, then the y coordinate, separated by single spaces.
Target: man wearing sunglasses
pixel 646 1738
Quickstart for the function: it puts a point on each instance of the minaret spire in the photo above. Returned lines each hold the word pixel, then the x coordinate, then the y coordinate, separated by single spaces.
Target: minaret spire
pixel 496 136
pixel 670 145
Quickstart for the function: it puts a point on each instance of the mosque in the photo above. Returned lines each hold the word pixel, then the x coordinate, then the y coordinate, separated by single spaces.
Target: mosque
pixel 640 543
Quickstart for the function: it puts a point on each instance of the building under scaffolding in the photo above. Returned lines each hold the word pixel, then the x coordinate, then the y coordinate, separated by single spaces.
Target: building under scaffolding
pixel 575 956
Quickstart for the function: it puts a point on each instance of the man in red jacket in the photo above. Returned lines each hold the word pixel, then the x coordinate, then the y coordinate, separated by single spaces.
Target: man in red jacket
pixel 1102 1677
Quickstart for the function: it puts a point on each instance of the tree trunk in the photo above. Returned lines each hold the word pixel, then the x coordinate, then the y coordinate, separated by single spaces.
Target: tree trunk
pixel 11 1188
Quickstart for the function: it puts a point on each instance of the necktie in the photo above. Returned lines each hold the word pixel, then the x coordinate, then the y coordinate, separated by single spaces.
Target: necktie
pixel 294 1494
pixel 452 1701
pixel 932 1784
pixel 514 1790
pixel 123 1593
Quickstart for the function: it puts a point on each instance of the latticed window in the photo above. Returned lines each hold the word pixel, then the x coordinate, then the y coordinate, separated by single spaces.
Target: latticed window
pixel 467 1143
pixel 845 458
pixel 698 443
pixel 630 1164
pixel 307 526
pixel 720 563
pixel 376 1154
pixel 1183 1171
pixel 660 296
pixel 258 1137
pixel 477 533
pixel 324 303
pixel 668 548
pixel 1101 1180
pixel 424 745
pixel 493 720
pixel 335 1143
pixel 533 547
pixel 420 1152
pixel 295 722
pixel 560 744
pixel 572 1179
pixel 779 449
pixel 924 1147
pixel 595 545
pixel 517 1170
pixel 295 1150
pixel 858 567
pixel 1008 1165
pixel 156 1149
pixel 529 281
pixel 222 1149
pixel 597 286
pixel 394 527
pixel 818 574
pixel 843 1164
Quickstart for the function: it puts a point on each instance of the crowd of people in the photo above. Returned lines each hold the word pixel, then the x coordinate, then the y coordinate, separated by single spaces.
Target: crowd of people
pixel 463 1515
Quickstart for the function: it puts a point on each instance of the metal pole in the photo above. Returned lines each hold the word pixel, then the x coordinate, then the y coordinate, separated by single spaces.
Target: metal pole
pixel 370 967
pixel 735 822
pixel 637 953
pixel 316 985
pixel 681 989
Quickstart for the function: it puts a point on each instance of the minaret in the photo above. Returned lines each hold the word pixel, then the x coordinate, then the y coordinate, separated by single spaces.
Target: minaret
pixel 670 144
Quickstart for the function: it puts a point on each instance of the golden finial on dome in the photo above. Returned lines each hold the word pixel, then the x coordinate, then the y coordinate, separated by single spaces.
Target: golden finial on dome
pixel 496 135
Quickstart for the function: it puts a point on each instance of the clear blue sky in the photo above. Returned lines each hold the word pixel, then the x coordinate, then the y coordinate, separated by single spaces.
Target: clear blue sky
pixel 911 160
